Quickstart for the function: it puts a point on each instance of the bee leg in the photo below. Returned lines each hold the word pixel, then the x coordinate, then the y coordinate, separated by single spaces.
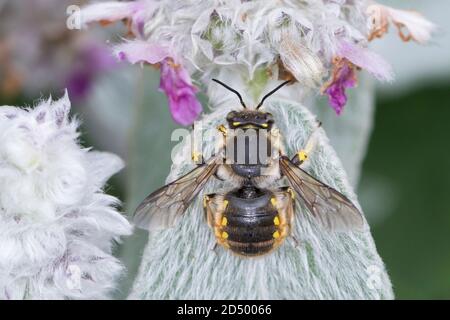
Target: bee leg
pixel 197 157
pixel 222 129
pixel 215 205
pixel 284 203
pixel 214 248
pixel 208 200
pixel 302 155
pixel 296 242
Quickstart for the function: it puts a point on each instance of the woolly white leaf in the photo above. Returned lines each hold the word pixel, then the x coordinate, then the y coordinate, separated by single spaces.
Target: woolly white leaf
pixel 57 227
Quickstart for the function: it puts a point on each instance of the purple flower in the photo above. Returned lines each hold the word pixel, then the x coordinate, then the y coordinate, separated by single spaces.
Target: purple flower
pixel 344 77
pixel 349 56
pixel 138 51
pixel 176 84
pixel 92 60
pixel 365 59
pixel 175 80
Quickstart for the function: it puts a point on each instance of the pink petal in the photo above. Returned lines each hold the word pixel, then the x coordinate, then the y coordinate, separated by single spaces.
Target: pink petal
pixel 343 77
pixel 185 109
pixel 175 78
pixel 337 98
pixel 111 11
pixel 177 85
pixel 366 59
pixel 140 51
pixel 419 28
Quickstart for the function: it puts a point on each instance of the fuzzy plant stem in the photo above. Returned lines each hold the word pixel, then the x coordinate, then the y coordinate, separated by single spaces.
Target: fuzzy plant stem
pixel 180 263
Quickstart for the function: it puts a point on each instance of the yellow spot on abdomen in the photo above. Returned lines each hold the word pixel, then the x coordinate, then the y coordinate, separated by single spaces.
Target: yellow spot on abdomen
pixel 225 204
pixel 235 124
pixel 276 221
pixel 273 200
pixel 224 235
pixel 224 221
pixel 276 235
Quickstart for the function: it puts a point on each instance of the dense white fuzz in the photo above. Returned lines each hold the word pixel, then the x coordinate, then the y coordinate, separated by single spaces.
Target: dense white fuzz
pixel 212 35
pixel 57 226
pixel 180 263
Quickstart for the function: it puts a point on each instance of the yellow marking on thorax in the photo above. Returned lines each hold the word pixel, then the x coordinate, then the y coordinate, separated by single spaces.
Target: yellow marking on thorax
pixel 225 204
pixel 302 155
pixel 276 235
pixel 224 235
pixel 235 124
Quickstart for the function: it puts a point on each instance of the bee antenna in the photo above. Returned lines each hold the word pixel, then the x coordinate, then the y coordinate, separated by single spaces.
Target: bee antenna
pixel 232 90
pixel 271 93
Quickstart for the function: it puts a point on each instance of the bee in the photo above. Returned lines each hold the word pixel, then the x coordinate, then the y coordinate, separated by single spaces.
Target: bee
pixel 254 218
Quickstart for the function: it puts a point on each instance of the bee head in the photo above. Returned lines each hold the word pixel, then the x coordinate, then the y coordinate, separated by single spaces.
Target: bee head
pixel 246 119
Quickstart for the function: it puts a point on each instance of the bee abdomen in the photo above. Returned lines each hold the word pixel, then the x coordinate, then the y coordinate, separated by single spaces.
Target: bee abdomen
pixel 251 249
pixel 251 236
pixel 255 229
pixel 250 221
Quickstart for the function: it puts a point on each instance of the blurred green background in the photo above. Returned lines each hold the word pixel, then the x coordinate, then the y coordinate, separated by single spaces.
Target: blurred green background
pixel 407 165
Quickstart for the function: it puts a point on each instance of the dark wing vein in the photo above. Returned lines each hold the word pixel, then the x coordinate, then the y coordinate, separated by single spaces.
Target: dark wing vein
pixel 330 207
pixel 161 209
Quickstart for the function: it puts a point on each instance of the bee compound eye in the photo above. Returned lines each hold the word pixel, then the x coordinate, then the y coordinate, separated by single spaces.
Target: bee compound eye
pixel 231 115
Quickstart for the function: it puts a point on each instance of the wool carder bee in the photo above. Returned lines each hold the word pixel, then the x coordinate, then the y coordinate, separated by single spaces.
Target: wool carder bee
pixel 255 217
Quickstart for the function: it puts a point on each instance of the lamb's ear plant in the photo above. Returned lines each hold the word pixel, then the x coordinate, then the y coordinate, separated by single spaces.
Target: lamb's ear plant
pixel 57 226
pixel 181 263
pixel 321 46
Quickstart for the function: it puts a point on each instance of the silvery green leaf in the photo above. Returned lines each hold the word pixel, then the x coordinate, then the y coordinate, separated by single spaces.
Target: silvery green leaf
pixel 148 159
pixel 107 113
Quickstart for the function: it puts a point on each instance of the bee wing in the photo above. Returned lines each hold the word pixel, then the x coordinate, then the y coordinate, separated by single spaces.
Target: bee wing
pixel 330 207
pixel 161 209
